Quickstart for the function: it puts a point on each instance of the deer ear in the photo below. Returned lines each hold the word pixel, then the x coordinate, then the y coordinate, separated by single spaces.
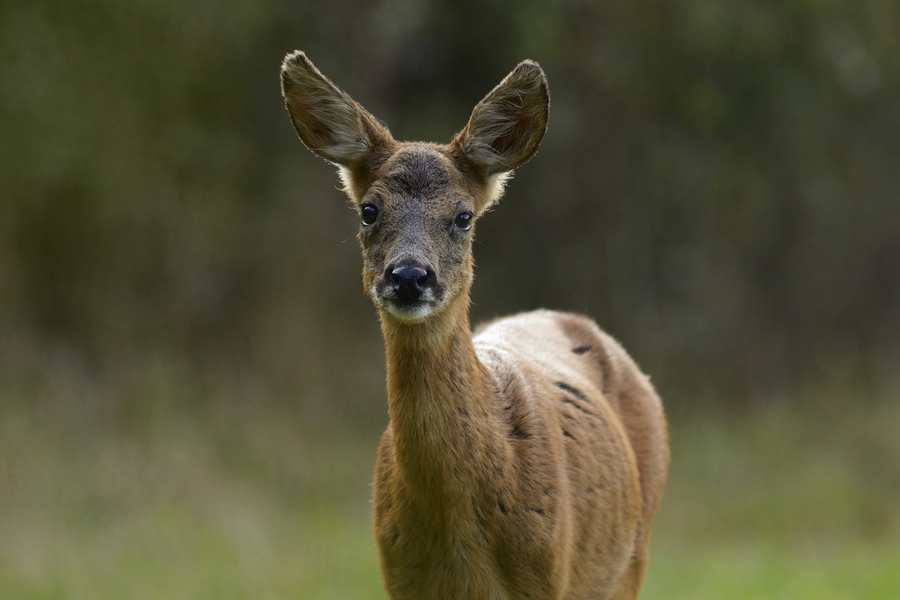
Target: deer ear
pixel 507 126
pixel 327 119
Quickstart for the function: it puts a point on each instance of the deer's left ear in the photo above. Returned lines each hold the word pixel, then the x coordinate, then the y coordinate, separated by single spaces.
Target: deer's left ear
pixel 507 126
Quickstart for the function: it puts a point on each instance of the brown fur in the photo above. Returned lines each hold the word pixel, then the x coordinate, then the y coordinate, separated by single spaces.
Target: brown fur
pixel 525 462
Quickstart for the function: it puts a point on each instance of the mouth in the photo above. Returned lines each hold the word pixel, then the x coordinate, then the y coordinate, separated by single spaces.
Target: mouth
pixel 408 310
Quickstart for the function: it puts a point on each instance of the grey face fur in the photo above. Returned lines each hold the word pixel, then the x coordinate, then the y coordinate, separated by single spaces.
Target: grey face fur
pixel 418 201
pixel 418 226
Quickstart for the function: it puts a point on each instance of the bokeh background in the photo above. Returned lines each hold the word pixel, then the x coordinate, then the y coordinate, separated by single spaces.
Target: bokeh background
pixel 191 380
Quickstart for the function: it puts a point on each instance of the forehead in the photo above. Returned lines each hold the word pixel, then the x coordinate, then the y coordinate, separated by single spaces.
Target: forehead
pixel 418 170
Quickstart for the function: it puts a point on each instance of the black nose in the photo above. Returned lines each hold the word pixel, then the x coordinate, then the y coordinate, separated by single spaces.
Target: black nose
pixel 410 282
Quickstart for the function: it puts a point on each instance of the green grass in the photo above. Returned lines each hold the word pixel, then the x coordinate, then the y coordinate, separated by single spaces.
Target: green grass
pixel 227 502
pixel 781 504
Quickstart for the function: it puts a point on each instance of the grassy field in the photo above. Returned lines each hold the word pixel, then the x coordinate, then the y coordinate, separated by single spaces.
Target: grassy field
pixel 226 501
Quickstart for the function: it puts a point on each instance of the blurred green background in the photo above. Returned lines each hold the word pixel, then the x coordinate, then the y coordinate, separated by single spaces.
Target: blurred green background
pixel 191 380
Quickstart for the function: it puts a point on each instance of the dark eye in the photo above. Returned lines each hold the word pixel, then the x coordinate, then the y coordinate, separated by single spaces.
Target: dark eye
pixel 369 213
pixel 463 220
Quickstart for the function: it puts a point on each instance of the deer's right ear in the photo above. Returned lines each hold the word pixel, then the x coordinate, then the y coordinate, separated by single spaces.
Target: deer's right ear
pixel 327 119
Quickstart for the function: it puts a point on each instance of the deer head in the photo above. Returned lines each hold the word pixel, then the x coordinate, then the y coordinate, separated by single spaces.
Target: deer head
pixel 418 202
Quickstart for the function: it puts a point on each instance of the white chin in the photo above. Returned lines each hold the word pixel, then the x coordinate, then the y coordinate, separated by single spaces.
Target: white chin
pixel 409 314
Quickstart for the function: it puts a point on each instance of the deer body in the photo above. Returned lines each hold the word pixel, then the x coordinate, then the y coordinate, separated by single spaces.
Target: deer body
pixel 524 462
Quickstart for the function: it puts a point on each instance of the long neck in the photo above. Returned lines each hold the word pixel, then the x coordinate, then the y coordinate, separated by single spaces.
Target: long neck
pixel 440 404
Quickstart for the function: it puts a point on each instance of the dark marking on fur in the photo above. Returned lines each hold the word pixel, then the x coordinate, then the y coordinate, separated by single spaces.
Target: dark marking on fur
pixel 579 406
pixel 568 435
pixel 419 172
pixel 539 511
pixel 604 374
pixel 519 433
pixel 582 335
pixel 502 507
pixel 573 391
pixel 464 419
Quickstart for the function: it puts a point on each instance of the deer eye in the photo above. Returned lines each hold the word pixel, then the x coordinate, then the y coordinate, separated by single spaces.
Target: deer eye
pixel 463 220
pixel 368 213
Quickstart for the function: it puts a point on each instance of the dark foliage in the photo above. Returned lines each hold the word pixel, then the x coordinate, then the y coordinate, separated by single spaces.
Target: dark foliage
pixel 719 186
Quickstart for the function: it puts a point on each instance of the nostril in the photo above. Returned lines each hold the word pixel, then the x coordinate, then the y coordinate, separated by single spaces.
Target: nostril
pixel 409 275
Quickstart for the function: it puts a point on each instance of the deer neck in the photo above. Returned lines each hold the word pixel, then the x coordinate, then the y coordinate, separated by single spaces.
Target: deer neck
pixel 440 401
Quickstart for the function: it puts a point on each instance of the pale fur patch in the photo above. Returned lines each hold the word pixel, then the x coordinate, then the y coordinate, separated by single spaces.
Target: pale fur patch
pixel 495 187
pixel 426 306
pixel 346 177
pixel 411 316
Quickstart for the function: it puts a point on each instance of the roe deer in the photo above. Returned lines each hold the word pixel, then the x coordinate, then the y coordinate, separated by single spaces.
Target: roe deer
pixel 525 462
